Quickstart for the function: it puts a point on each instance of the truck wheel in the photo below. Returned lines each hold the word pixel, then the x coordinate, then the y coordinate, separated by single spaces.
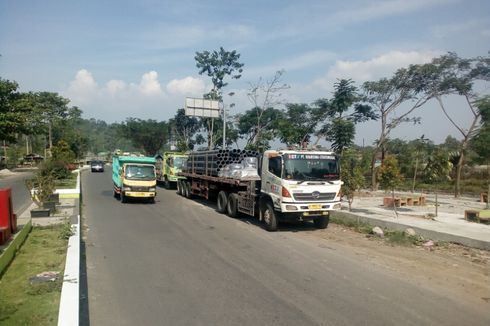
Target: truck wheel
pixel 269 217
pixel 321 222
pixel 179 188
pixel 188 192
pixel 232 206
pixel 151 200
pixel 222 201
pixel 166 183
pixel 123 198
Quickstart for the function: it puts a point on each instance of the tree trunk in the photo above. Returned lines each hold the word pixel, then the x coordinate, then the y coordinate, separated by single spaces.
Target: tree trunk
pixel 394 204
pixel 415 173
pixel 459 168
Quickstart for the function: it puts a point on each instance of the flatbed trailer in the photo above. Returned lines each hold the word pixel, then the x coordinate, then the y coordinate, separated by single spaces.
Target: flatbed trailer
pixel 233 195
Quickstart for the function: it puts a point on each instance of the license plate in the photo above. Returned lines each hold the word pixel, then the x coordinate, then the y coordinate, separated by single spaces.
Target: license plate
pixel 140 194
pixel 314 206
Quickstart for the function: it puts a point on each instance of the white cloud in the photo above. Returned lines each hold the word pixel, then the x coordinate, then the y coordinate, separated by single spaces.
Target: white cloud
pixel 378 67
pixel 83 87
pixel 187 86
pixel 115 86
pixel 149 84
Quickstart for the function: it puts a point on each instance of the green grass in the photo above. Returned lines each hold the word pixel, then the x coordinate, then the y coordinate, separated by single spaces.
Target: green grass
pixel 23 303
pixel 68 183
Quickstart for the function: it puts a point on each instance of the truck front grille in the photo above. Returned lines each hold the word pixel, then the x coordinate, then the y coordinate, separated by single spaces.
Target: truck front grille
pixel 312 196
pixel 140 189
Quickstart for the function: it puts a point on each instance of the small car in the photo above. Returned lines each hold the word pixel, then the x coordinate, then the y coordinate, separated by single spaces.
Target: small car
pixel 97 166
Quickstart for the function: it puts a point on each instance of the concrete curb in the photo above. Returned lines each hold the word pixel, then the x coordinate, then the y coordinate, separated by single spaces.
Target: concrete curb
pixel 433 235
pixel 70 297
pixel 69 309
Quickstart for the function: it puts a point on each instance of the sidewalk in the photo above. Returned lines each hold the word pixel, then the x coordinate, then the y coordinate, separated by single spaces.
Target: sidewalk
pixel 449 224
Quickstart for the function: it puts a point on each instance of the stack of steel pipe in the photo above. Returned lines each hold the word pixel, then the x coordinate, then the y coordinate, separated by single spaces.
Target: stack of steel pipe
pixel 211 162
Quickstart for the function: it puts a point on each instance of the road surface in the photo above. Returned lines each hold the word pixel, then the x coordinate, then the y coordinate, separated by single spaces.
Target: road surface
pixel 21 198
pixel 178 262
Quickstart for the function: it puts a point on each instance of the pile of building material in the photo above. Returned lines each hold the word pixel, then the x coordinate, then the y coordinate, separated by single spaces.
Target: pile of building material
pixel 216 162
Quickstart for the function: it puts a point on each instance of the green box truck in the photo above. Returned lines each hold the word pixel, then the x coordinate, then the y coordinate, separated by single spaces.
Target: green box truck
pixel 168 166
pixel 134 177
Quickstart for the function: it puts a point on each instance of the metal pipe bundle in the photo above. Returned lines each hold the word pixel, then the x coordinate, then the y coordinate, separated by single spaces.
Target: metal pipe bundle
pixel 211 162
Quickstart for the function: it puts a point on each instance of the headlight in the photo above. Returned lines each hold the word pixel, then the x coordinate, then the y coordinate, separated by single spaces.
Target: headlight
pixel 152 189
pixel 291 208
pixel 337 206
pixel 126 188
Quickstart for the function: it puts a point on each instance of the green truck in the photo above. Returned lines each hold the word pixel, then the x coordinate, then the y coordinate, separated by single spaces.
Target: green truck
pixel 168 166
pixel 134 177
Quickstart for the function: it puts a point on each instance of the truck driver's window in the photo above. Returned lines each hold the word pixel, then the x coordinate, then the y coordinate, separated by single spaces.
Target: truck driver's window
pixel 275 166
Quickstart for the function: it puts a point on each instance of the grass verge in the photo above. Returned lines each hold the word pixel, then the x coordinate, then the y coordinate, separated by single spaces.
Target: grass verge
pixel 392 237
pixel 23 303
pixel 68 183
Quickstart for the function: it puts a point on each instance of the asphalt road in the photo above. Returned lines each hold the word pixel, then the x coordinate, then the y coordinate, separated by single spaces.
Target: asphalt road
pixel 178 262
pixel 21 198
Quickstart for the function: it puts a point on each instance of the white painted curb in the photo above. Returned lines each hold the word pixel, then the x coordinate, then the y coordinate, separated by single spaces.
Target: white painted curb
pixel 70 297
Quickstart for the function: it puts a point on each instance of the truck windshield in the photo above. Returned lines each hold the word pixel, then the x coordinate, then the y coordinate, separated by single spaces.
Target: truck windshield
pixel 305 167
pixel 179 162
pixel 140 172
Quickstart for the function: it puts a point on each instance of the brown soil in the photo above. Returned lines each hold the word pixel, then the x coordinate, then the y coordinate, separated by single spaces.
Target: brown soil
pixel 451 269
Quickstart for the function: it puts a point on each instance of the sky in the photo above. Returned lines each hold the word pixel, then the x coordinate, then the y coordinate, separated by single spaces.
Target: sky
pixel 116 59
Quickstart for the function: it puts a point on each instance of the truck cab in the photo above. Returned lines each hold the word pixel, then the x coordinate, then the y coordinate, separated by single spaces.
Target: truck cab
pixel 168 166
pixel 134 177
pixel 298 185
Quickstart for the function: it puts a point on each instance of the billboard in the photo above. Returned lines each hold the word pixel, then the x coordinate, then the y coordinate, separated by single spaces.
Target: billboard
pixel 198 107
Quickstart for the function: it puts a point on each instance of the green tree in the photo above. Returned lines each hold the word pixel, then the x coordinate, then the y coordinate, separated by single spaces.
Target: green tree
pixel 297 124
pixel 258 125
pixel 390 176
pixel 454 76
pixel 351 175
pixel 148 136
pixel 387 96
pixel 342 113
pixel 184 131
pixel 218 65
pixel 13 111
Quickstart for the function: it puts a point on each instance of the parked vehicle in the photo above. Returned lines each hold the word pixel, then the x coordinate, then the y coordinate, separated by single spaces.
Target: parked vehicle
pixel 168 166
pixel 134 177
pixel 97 166
pixel 288 185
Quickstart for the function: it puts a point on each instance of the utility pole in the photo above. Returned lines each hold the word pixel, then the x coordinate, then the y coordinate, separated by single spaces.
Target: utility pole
pixel 224 124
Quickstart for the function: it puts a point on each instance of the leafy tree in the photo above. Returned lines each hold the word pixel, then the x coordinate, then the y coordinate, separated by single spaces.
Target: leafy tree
pixel 339 128
pixel 390 176
pixel 184 129
pixel 50 109
pixel 297 124
pixel 351 175
pixel 147 135
pixel 456 77
pixel 218 65
pixel 438 166
pixel 387 96
pixel 13 111
pixel 257 124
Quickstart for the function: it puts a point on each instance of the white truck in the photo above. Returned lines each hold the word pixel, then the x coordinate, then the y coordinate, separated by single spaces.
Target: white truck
pixel 291 185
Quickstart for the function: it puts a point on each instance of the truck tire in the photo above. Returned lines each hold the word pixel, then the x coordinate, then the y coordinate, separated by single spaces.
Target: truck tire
pixel 167 184
pixel 321 222
pixel 123 198
pixel 232 206
pixel 222 201
pixel 188 192
pixel 269 216
pixel 179 187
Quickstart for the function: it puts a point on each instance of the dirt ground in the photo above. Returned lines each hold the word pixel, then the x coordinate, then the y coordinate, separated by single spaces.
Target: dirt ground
pixel 450 269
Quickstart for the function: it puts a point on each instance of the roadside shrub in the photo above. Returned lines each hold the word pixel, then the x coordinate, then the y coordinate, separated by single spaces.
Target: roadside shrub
pixel 57 169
